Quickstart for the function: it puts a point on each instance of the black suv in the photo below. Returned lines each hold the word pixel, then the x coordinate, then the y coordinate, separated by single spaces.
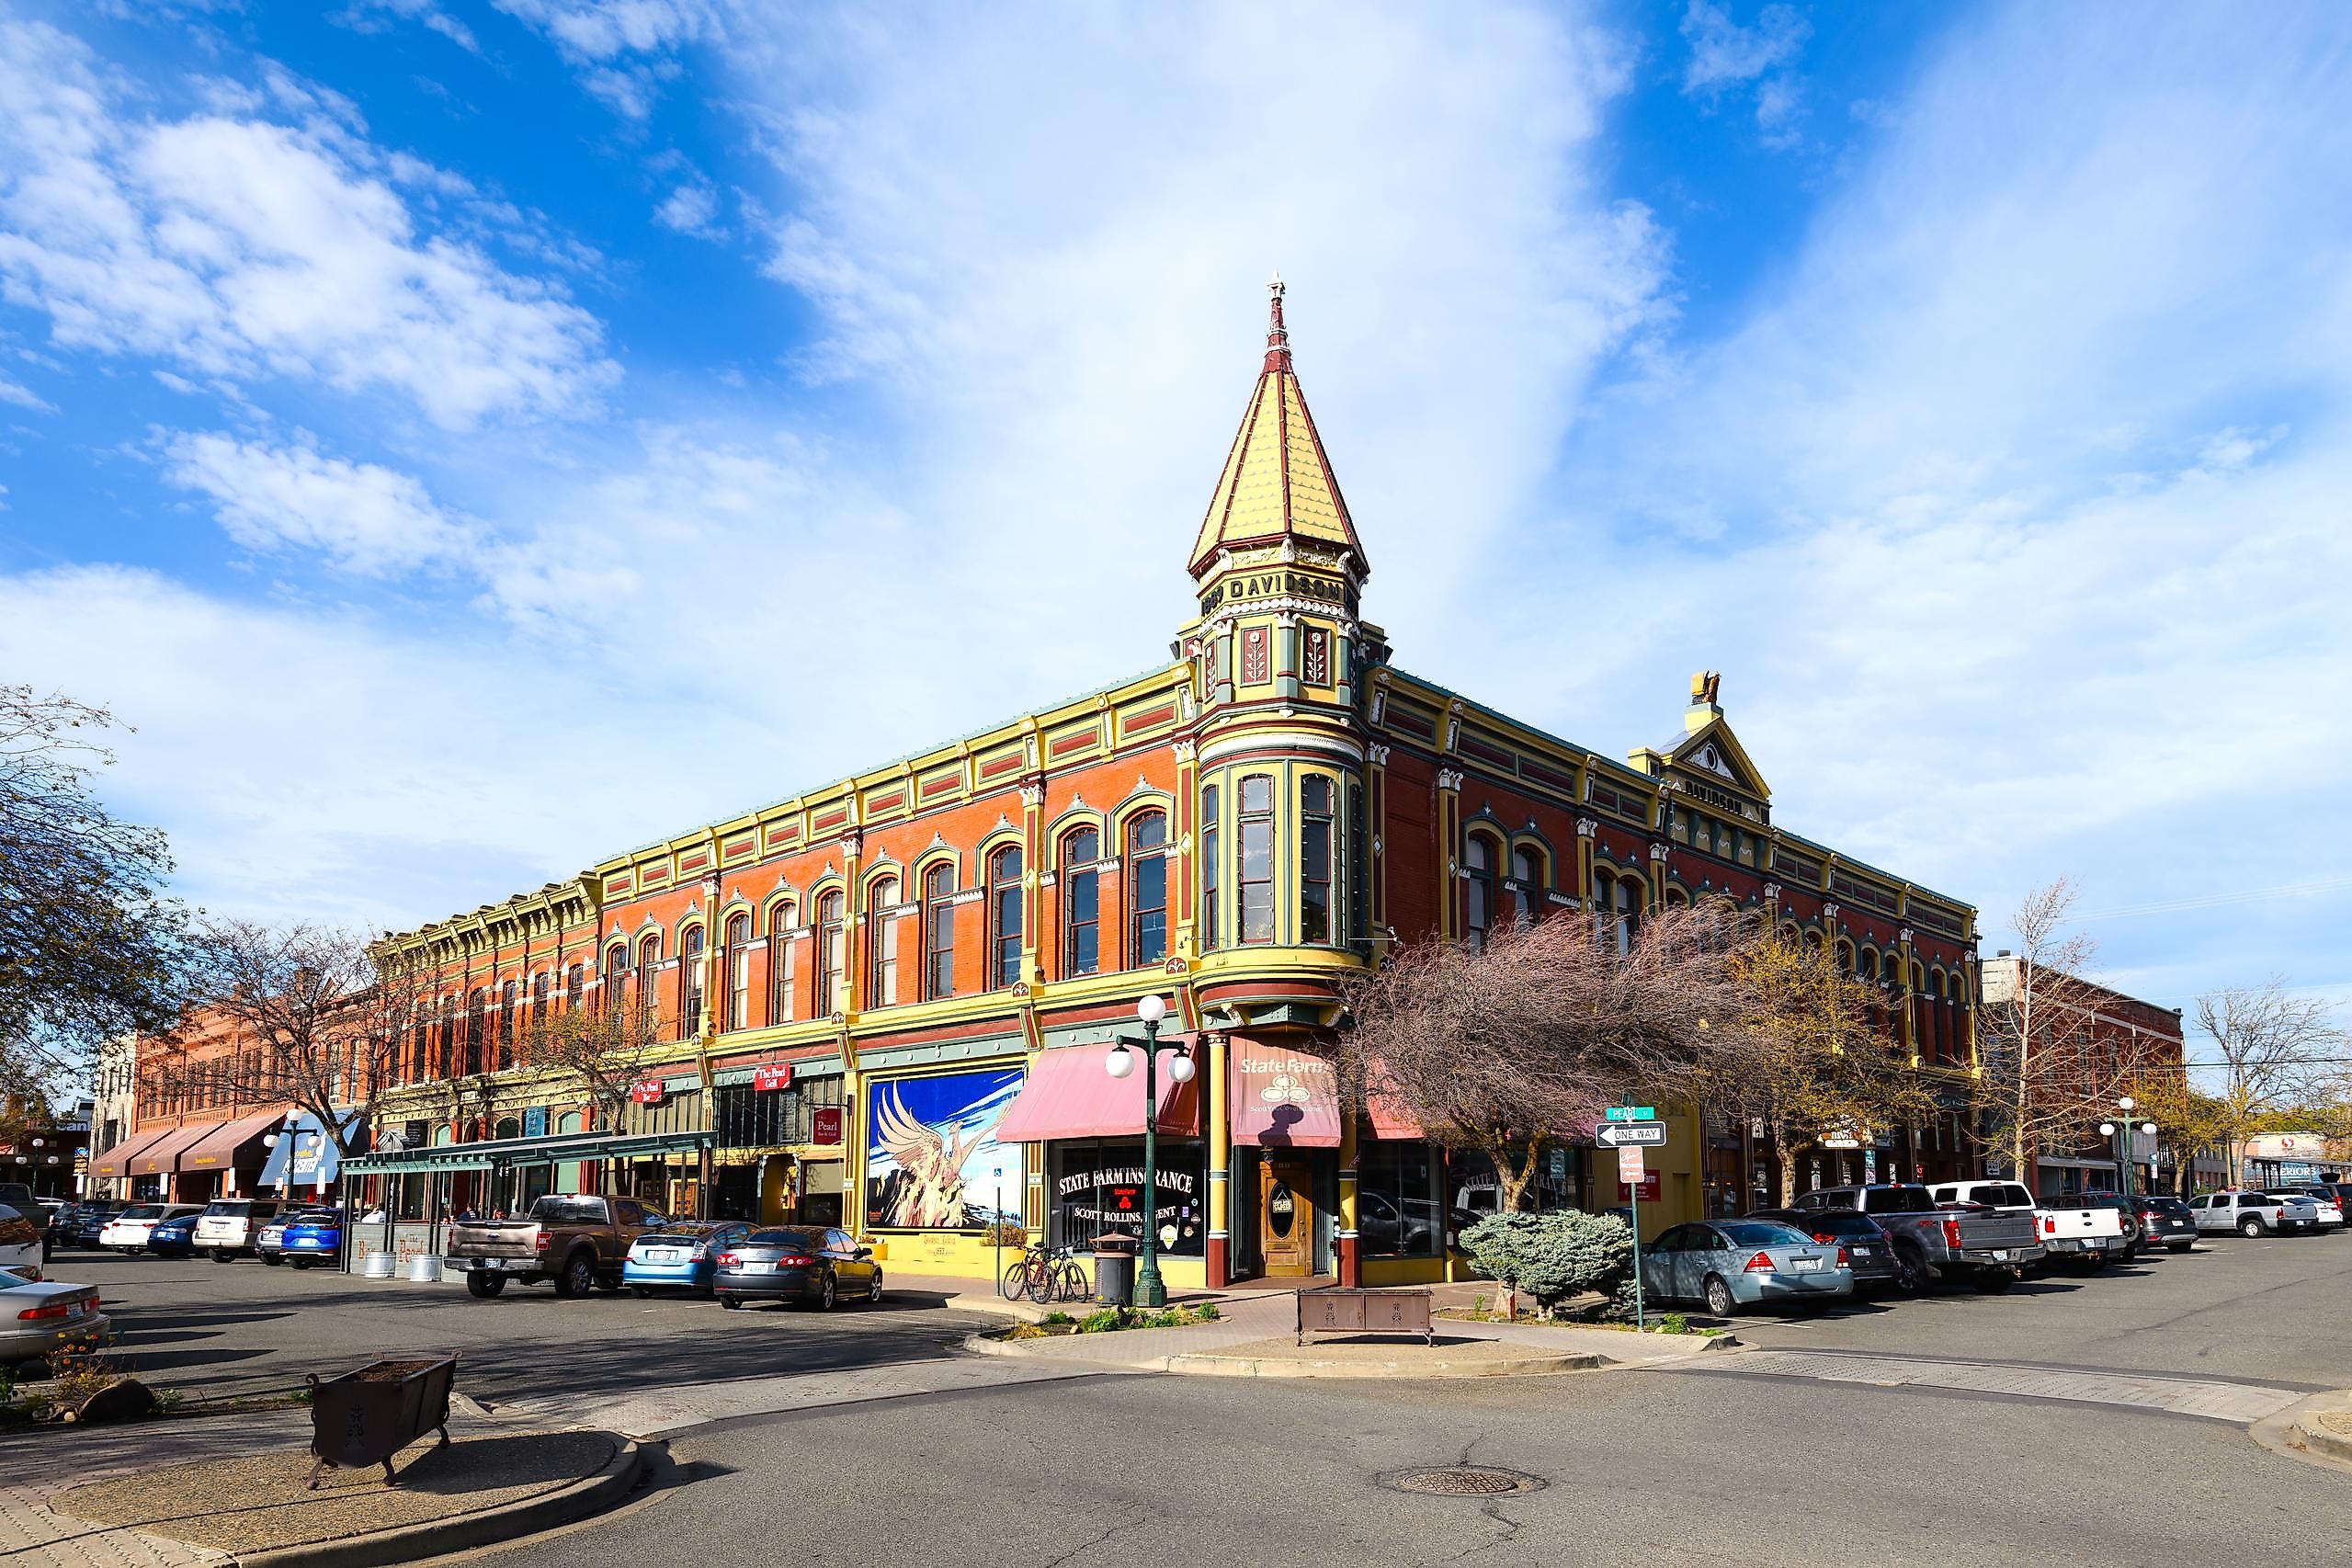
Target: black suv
pixel 2166 1222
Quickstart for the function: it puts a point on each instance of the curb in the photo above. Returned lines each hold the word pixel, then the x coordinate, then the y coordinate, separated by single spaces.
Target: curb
pixel 2294 1433
pixel 2318 1438
pixel 589 1494
pixel 1207 1364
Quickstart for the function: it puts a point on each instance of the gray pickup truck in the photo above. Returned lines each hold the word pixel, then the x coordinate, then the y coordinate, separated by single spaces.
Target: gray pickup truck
pixel 576 1242
pixel 1933 1242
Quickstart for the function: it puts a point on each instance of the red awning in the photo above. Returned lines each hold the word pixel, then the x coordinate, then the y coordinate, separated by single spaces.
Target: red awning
pixel 1071 1093
pixel 115 1162
pixel 233 1146
pixel 162 1156
pixel 1283 1099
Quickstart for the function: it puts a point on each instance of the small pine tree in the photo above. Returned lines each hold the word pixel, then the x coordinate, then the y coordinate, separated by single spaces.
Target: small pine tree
pixel 1551 1257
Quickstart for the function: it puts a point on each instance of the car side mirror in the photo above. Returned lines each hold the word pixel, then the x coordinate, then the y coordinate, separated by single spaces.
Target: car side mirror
pixel 864 1253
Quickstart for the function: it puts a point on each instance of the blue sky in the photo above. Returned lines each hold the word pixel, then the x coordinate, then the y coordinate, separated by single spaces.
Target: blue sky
pixel 469 439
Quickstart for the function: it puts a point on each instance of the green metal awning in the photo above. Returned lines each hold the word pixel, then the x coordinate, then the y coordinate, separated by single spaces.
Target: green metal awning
pixel 501 1153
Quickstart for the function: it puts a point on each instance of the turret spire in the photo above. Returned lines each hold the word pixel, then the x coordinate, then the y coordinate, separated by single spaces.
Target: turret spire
pixel 1278 337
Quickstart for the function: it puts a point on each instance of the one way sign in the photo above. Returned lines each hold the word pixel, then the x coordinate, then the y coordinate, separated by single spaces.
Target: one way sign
pixel 1632 1134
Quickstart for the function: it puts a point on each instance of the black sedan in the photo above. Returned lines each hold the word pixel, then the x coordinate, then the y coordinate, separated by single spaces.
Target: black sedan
pixel 1868 1251
pixel 2166 1222
pixel 798 1263
pixel 79 1224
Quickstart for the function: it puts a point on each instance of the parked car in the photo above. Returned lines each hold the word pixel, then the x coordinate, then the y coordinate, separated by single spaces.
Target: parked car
pixel 2166 1222
pixel 175 1237
pixel 2253 1213
pixel 803 1263
pixel 1985 1246
pixel 23 1244
pixel 2331 1207
pixel 1869 1251
pixel 2127 1216
pixel 682 1255
pixel 1730 1264
pixel 79 1225
pixel 577 1242
pixel 37 1316
pixel 270 1241
pixel 312 1236
pixel 227 1227
pixel 2076 1232
pixel 127 1232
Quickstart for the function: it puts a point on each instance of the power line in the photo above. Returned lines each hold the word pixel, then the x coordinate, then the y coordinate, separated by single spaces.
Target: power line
pixel 2215 900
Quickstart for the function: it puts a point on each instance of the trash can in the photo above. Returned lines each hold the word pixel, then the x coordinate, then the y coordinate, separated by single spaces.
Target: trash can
pixel 1115 1269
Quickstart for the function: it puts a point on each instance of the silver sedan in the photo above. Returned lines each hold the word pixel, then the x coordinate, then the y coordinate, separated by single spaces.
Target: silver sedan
pixel 39 1316
pixel 1730 1264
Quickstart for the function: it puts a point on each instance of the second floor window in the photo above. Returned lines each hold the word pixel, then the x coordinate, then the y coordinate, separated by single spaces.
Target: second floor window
pixel 616 985
pixel 1528 871
pixel 1257 859
pixel 540 985
pixel 1080 902
pixel 473 1007
pixel 576 984
pixel 781 948
pixel 939 930
pixel 690 985
pixel 1478 891
pixel 649 963
pixel 882 902
pixel 507 997
pixel 1314 859
pixel 1146 874
pixel 833 954
pixel 1211 867
pixel 1005 917
pixel 738 972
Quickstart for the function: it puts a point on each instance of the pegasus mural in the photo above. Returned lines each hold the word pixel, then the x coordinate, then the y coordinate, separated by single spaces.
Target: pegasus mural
pixel 926 1191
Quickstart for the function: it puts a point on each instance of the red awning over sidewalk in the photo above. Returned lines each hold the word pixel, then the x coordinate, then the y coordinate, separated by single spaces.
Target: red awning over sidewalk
pixel 115 1163
pixel 233 1146
pixel 1283 1099
pixel 162 1156
pixel 1071 1093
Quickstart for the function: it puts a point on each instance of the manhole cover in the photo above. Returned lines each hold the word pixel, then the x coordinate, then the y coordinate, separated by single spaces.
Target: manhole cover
pixel 1461 1480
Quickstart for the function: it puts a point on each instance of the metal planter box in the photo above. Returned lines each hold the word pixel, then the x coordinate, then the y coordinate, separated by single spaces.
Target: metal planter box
pixel 1334 1310
pixel 365 1416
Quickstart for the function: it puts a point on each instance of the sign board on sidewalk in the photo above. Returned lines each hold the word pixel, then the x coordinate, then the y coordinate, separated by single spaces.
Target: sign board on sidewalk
pixel 1648 1189
pixel 1631 1113
pixel 1629 1171
pixel 1632 1135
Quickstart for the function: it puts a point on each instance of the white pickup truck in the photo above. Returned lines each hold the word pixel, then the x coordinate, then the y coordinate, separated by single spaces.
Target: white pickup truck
pixel 2089 1235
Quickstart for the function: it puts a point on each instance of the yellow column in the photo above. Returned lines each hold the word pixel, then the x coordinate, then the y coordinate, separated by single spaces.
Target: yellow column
pixel 1221 1161
pixel 1350 1267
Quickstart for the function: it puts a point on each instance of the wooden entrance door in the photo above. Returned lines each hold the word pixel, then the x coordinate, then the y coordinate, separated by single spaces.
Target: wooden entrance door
pixel 1286 1219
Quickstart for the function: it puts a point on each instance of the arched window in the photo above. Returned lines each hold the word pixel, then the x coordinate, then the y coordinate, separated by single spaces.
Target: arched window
pixel 1211 867
pixel 508 994
pixel 690 985
pixel 1146 871
pixel 939 930
pixel 1005 917
pixel 738 972
pixel 540 985
pixel 1314 859
pixel 1527 871
pixel 780 994
pixel 576 985
pixel 1619 899
pixel 833 955
pixel 881 924
pixel 1257 859
pixel 1082 927
pixel 1478 891
pixel 649 962
pixel 473 1022
pixel 615 990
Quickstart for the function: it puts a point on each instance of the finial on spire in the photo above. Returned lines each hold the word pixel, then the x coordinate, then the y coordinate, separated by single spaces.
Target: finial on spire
pixel 1278 337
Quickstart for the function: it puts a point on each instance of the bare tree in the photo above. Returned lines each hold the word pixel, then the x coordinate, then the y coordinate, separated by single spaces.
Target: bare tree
pixel 310 1015
pixel 2047 1078
pixel 1806 1063
pixel 1517 1047
pixel 2277 1051
pixel 608 1047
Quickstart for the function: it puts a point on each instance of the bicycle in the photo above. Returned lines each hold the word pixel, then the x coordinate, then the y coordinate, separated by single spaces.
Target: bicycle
pixel 1045 1274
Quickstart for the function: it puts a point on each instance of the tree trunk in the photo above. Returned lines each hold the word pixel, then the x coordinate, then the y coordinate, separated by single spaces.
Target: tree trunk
pixel 1783 1152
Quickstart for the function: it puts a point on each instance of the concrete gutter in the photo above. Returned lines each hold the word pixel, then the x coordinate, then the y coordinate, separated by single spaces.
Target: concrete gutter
pixel 436 1537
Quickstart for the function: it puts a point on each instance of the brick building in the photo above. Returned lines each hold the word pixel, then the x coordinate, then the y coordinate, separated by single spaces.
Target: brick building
pixel 869 981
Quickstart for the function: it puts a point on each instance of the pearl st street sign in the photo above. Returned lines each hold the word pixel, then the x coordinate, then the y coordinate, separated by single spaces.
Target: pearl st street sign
pixel 1631 1135
pixel 1630 1113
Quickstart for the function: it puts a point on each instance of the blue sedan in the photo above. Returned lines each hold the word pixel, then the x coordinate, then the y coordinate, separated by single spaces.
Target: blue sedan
pixel 311 1236
pixel 681 1256
pixel 175 1237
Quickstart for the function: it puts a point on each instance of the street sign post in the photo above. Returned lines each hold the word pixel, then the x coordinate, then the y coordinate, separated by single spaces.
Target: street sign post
pixel 1630 1172
pixel 1631 1135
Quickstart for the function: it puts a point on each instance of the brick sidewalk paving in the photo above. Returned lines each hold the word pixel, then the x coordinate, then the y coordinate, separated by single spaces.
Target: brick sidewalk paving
pixel 32 1537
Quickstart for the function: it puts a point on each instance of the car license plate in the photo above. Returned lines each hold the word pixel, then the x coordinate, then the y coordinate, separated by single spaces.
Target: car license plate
pixel 1803 1265
pixel 759 1268
pixel 481 1263
pixel 2096 1243
pixel 664 1255
pixel 2001 1255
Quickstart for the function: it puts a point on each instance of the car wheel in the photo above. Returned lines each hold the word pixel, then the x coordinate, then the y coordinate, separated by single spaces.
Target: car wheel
pixel 732 1304
pixel 1910 1272
pixel 828 1294
pixel 874 1296
pixel 2250 1227
pixel 273 1259
pixel 482 1287
pixel 1720 1300
pixel 578 1277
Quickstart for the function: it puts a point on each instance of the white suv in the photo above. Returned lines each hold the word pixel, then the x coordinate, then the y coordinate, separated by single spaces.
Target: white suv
pixel 226 1227
pixel 2253 1213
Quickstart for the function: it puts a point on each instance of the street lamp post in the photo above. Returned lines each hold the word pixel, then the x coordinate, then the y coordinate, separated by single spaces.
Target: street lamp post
pixel 2121 1126
pixel 1149 1290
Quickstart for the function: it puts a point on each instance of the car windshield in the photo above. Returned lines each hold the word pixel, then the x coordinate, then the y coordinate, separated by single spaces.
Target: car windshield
pixel 1763 1233
pixel 142 1212
pixel 318 1216
pixel 558 1211
pixel 2163 1205
pixel 798 1240
pixel 680 1231
pixel 2002 1195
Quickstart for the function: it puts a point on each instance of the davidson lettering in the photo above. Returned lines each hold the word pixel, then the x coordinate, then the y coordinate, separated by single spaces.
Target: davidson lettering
pixel 1269 584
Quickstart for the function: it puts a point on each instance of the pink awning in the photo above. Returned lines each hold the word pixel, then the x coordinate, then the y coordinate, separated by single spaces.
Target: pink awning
pixel 1283 1099
pixel 1388 1114
pixel 1071 1093
pixel 162 1156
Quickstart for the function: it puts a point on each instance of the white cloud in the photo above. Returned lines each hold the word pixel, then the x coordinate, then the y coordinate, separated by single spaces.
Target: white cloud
pixel 1724 54
pixel 23 396
pixel 626 49
pixel 376 15
pixel 360 516
pixel 691 209
pixel 232 245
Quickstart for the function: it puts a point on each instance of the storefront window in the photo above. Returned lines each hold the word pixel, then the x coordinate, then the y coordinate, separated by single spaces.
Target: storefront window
pixel 743 1116
pixel 1473 1191
pixel 1099 1187
pixel 1397 1211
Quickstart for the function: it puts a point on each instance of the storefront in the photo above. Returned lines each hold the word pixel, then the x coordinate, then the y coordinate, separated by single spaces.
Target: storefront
pixel 227 1161
pixel 944 1183
pixel 114 1173
pixel 778 1129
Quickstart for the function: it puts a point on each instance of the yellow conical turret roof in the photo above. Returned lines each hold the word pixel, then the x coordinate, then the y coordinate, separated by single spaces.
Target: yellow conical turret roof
pixel 1278 483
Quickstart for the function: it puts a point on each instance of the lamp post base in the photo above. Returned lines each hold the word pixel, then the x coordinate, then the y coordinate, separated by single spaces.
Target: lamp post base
pixel 1149 1290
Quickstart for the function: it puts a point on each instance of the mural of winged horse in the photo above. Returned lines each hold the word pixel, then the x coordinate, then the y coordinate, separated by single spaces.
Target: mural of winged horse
pixel 932 1165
